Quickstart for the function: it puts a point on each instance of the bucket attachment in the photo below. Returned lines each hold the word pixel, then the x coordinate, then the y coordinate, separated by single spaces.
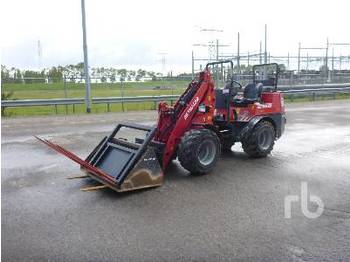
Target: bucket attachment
pixel 123 163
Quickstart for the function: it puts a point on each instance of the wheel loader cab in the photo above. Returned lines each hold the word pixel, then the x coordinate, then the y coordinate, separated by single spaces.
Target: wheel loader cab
pixel 251 93
pixel 228 98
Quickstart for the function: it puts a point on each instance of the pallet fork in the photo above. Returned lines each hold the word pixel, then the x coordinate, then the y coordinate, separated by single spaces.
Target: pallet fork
pixel 119 164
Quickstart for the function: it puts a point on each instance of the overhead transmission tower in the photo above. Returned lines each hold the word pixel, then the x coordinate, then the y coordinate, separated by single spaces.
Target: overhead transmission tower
pixel 307 55
pixel 213 46
pixel 163 60
pixel 340 57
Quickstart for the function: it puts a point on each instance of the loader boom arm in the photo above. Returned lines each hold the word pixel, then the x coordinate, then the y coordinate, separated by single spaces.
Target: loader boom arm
pixel 186 109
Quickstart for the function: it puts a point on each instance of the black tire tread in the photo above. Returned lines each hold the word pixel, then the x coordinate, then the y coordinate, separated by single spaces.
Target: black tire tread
pixel 250 144
pixel 187 153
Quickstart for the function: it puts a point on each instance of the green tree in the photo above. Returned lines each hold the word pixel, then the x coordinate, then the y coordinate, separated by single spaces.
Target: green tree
pixel 152 75
pixel 140 74
pixel 55 73
pixel 5 74
pixel 79 66
pixel 112 77
pixel 5 96
pixel 122 72
pixel 324 70
pixel 113 73
pixel 282 67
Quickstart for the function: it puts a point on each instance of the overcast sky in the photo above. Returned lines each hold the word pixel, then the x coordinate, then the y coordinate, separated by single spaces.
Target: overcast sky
pixel 131 33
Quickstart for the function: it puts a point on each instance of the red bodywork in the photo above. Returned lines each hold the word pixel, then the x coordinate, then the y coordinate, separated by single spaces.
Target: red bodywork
pixel 271 103
pixel 174 121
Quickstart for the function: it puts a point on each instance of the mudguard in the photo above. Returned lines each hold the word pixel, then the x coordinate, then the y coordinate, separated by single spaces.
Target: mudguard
pixel 245 131
pixel 278 121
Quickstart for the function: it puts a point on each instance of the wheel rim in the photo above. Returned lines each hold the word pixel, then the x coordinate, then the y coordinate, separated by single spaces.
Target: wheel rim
pixel 265 139
pixel 206 152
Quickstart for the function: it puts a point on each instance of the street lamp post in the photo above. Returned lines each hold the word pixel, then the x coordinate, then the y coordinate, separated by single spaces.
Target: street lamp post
pixel 86 65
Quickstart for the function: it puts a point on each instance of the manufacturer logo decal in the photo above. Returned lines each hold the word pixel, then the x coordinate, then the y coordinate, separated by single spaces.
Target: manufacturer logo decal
pixel 267 105
pixel 190 109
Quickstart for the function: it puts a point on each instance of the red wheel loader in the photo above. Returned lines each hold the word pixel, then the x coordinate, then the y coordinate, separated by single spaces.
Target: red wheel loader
pixel 203 122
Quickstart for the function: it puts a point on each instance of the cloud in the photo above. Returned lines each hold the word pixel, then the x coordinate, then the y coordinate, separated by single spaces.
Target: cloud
pixel 133 53
pixel 131 33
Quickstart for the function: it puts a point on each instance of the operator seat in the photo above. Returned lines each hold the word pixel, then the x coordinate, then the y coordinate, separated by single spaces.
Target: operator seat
pixel 251 94
pixel 233 90
pixel 252 91
pixel 225 95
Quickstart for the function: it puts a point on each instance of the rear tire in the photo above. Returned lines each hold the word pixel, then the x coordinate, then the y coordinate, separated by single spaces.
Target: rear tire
pixel 199 150
pixel 261 141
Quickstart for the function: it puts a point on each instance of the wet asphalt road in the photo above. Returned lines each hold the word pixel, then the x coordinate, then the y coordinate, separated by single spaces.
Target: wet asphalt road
pixel 234 213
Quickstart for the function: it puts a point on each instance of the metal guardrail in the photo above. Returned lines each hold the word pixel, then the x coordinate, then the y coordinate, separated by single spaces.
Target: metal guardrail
pixel 318 91
pixel 42 102
pixel 133 99
pixel 297 91
pixel 315 92
pixel 77 101
pixel 312 86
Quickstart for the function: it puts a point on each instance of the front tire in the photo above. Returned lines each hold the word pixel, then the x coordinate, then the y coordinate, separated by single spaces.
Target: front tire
pixel 199 150
pixel 261 141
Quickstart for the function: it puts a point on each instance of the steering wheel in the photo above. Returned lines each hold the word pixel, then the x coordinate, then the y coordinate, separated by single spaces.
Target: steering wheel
pixel 238 83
